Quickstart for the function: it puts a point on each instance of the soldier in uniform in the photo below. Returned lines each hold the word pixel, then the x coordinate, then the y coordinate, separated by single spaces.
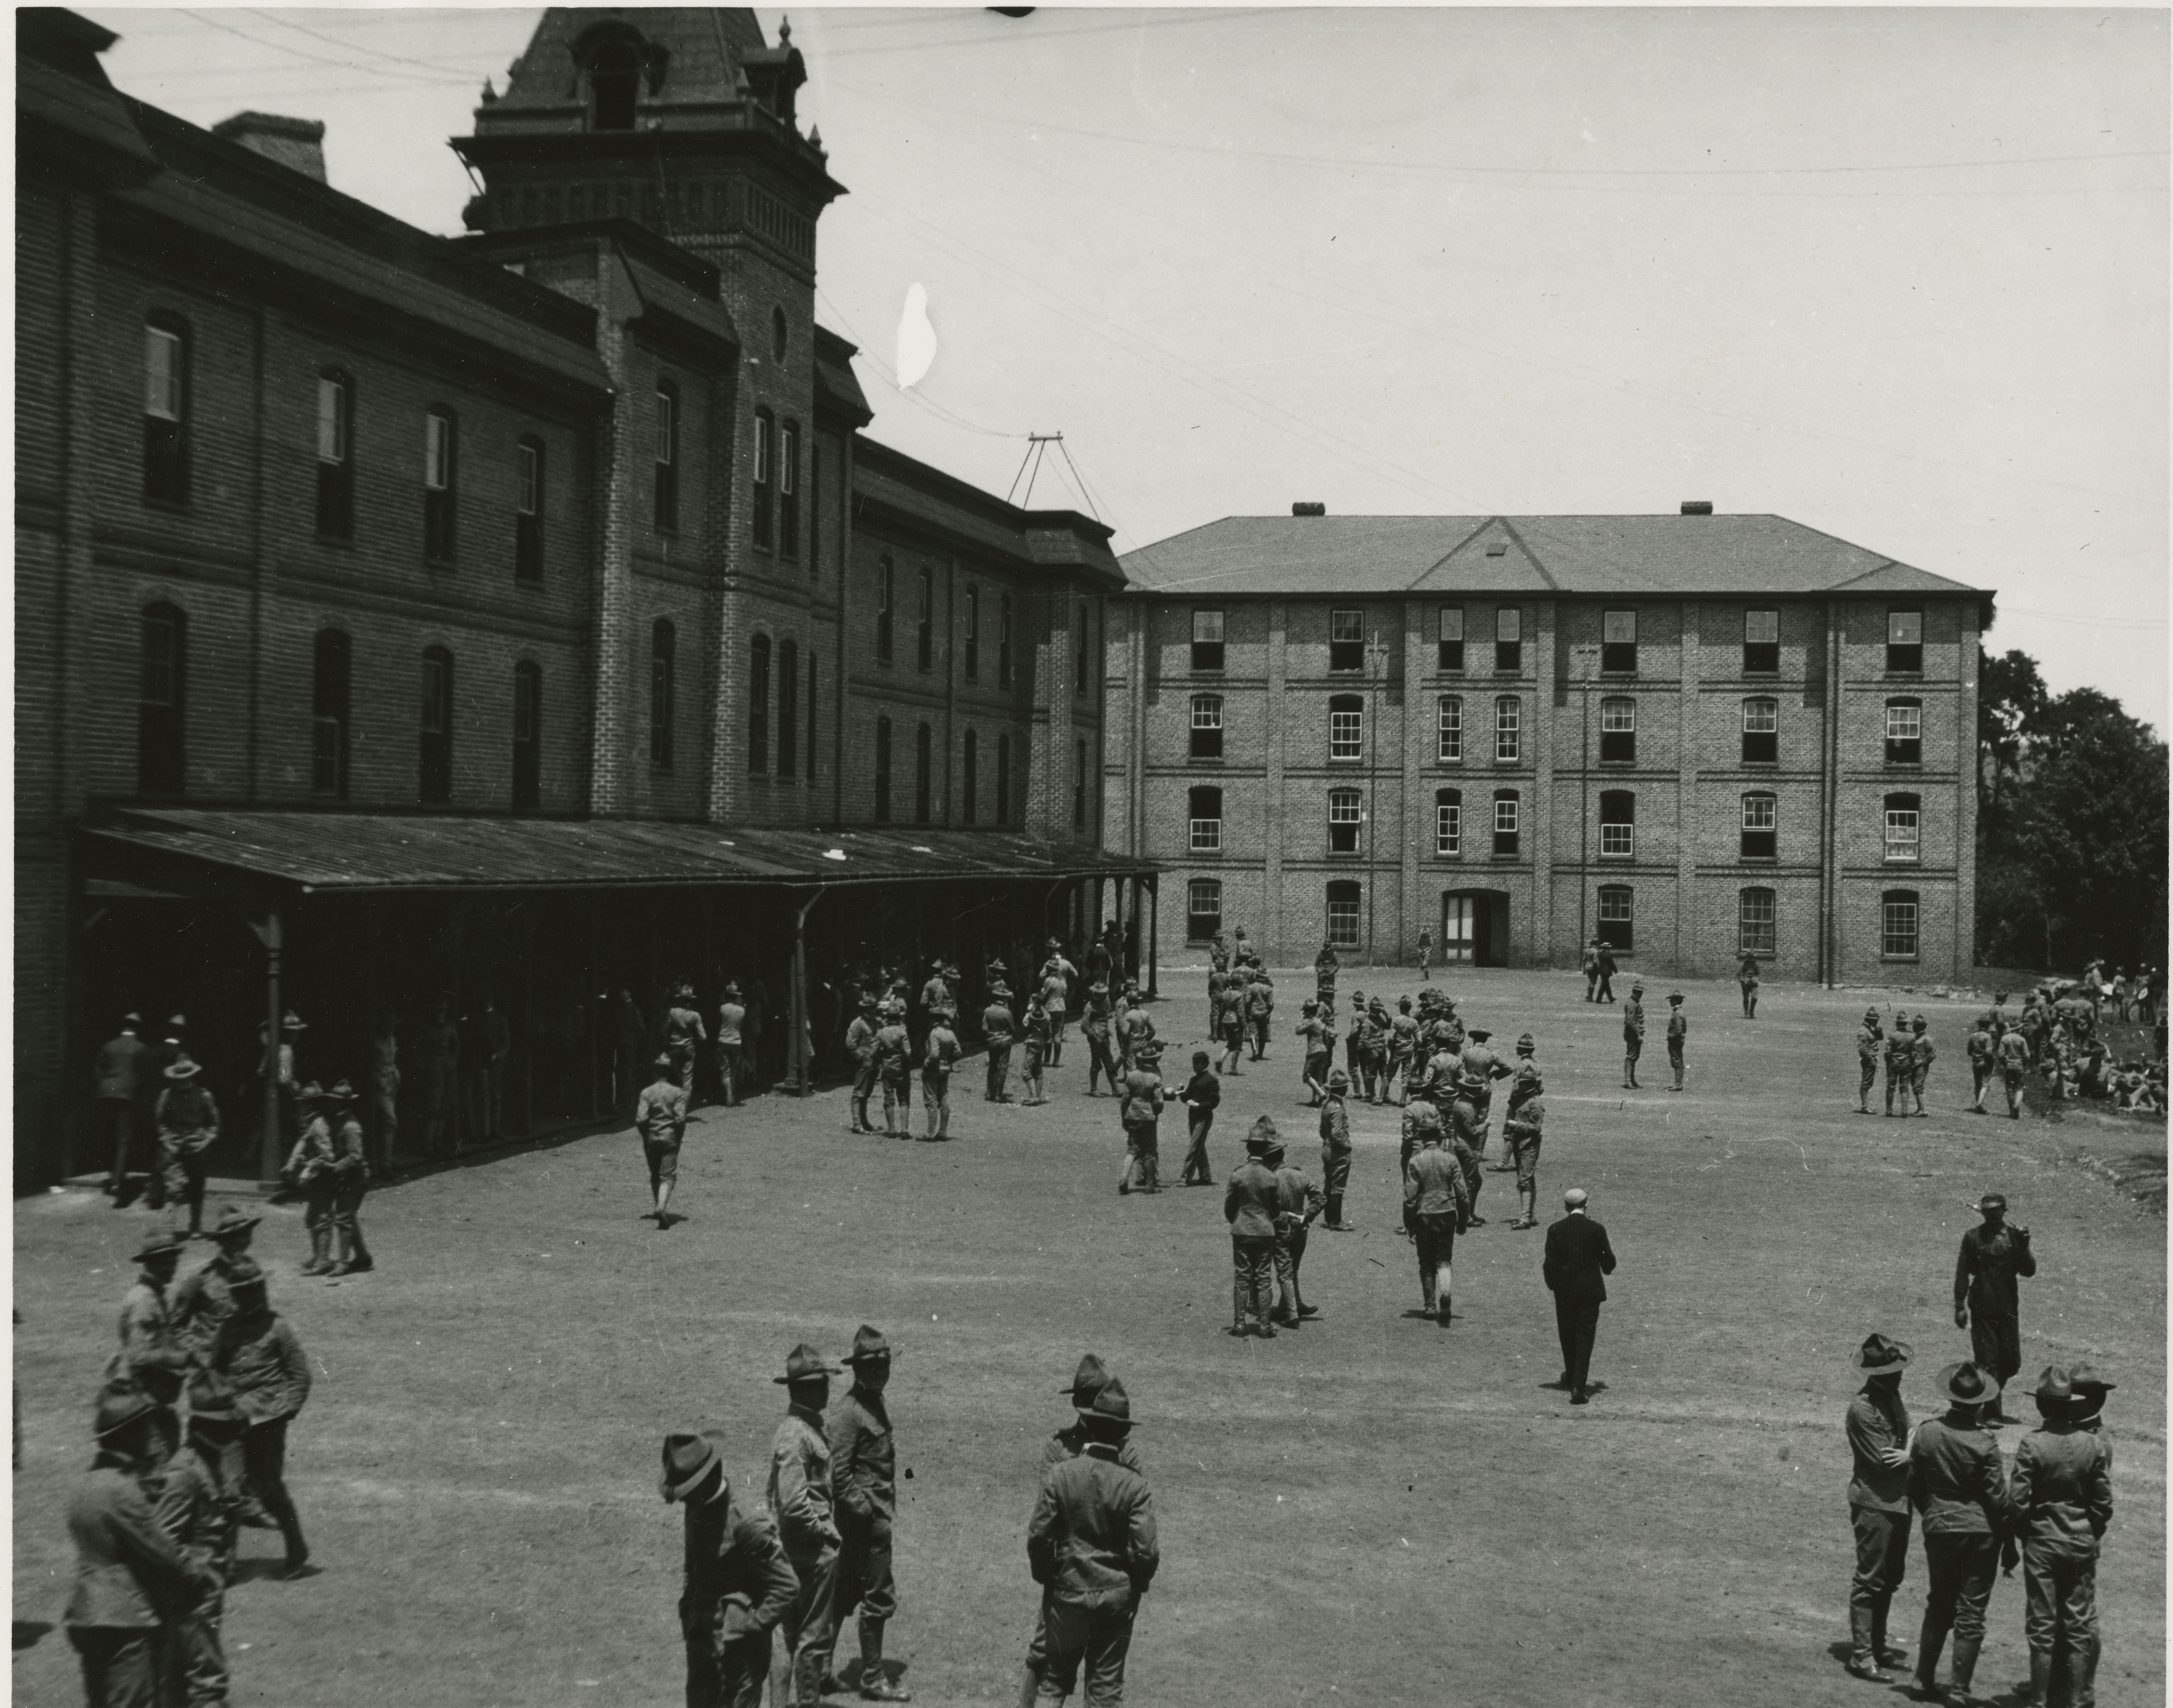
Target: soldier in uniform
pixel 861 1049
pixel 1422 1116
pixel 1326 966
pixel 996 1030
pixel 1426 954
pixel 1633 1036
pixel 1201 1097
pixel 800 1499
pixel 1436 1208
pixel 1869 1037
pixel 1521 1130
pixel 188 1127
pixel 1249 1205
pixel 1983 1047
pixel 737 1583
pixel 1141 1112
pixel 1901 1063
pixel 731 1046
pixel 1037 1052
pixel 1232 1029
pixel 1336 1147
pixel 1987 1300
pixel 1482 1064
pixel 262 1360
pixel 1463 1131
pixel 1373 1051
pixel 1959 1490
pixel 1354 1042
pixel 2060 1494
pixel 147 1316
pixel 1920 1062
pixel 1314 1036
pixel 199 1507
pixel 117 1089
pixel 1678 1032
pixel 1404 1050
pixel 1746 975
pixel 309 1171
pixel 202 1304
pixel 684 1035
pixel 893 1063
pixel 660 1118
pixel 1259 1008
pixel 939 1056
pixel 864 1478
pixel 1299 1201
pixel 2014 1069
pixel 1094 1023
pixel 1877 1429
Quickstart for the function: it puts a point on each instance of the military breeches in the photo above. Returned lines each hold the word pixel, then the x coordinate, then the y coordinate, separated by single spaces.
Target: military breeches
pixel 1095 1638
pixel 1316 1068
pixel 898 1100
pixel 682 1066
pixel 1882 1557
pixel 1335 1171
pixel 1142 1156
pixel 1000 1071
pixel 1290 1254
pixel 1101 1065
pixel 195 1654
pixel 1373 1074
pixel 1675 1061
pixel 2062 1590
pixel 1869 1077
pixel 1254 1256
pixel 2014 1079
pixel 1195 1155
pixel 183 1168
pixel 120 1664
pixel 936 1100
pixel 1980 1078
pixel 724 1671
pixel 1960 1565
pixel 264 1463
pixel 810 1626
pixel 1258 1028
pixel 863 1576
pixel 317 1202
pixel 1996 1342
pixel 1523 1142
pixel 1434 1237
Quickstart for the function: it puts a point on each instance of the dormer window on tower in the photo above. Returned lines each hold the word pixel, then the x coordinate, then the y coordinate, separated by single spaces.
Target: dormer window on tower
pixel 614 59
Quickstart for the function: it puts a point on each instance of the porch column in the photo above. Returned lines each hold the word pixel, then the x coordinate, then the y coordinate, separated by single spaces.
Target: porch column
pixel 1151 949
pixel 268 1158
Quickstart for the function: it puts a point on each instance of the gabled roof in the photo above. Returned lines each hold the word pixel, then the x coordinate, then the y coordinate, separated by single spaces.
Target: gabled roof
pixel 705 46
pixel 1654 555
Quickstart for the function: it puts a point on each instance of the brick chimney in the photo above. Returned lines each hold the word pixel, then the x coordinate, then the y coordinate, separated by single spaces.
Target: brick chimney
pixel 298 144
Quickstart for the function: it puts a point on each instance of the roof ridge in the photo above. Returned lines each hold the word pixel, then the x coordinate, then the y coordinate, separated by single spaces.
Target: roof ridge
pixel 1538 564
pixel 1478 528
pixel 1875 569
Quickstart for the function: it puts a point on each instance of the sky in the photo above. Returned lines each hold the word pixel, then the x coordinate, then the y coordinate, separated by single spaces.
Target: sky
pixel 1898 274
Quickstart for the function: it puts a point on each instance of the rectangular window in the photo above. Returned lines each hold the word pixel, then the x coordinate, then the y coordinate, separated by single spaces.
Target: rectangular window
pixel 1346 640
pixel 165 416
pixel 1346 732
pixel 1205 807
pixel 1897 927
pixel 1081 679
pixel 161 701
pixel 1343 821
pixel 924 641
pixel 1506 820
pixel 1343 901
pixel 1760 827
pixel 1447 823
pixel 969 778
pixel 1079 786
pixel 528 512
pixel 1904 642
pixel 1616 928
pixel 1203 910
pixel 814 702
pixel 1207 640
pixel 886 592
pixel 765 460
pixel 335 460
pixel 1903 831
pixel 1761 645
pixel 788 492
pixel 1509 638
pixel 1448 738
pixel 1905 732
pixel 788 708
pixel 527 734
pixel 1617 732
pixel 1617 842
pixel 924 769
pixel 1508 738
pixel 972 662
pixel 1003 642
pixel 1758 935
pixel 1207 726
pixel 1618 642
pixel 441 485
pixel 329 707
pixel 882 771
pixel 1003 780
pixel 757 723
pixel 1618 826
pixel 666 449
pixel 1761 726
pixel 1451 641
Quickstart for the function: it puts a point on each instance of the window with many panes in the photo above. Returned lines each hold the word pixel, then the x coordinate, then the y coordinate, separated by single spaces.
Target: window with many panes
pixel 1618 825
pixel 1904 829
pixel 882 770
pixel 166 411
pixel 885 608
pixel 1207 639
pixel 1761 732
pixel 1756 934
pixel 335 456
pixel 1904 642
pixel 1509 638
pixel 1346 640
pixel 1448 822
pixel 665 450
pixel 1205 803
pixel 1508 731
pixel 973 659
pixel 1347 729
pixel 1897 924
pixel 1617 731
pixel 1760 836
pixel 1448 729
pixel 1344 898
pixel 788 490
pixel 162 700
pixel 1617 928
pixel 1762 646
pixel 1344 817
pixel 1905 732
pixel 757 725
pixel 527 734
pixel 1203 910
pixel 1618 642
pixel 1507 821
pixel 1450 641
pixel 435 782
pixel 528 510
pixel 1207 726
pixel 330 691
pixel 765 476
pixel 923 640
pixel 441 475
pixel 663 690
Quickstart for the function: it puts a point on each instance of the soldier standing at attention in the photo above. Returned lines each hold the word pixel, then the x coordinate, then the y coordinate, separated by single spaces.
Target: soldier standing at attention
pixel 1231 1031
pixel 940 1055
pixel 121 1060
pixel 1633 1036
pixel 1869 1037
pixel 807 1524
pixel 199 1507
pixel 1259 1008
pixel 1249 1205
pixel 1877 1429
pixel 2013 1069
pixel 1746 975
pixel 683 1035
pixel 1987 1300
pixel 2061 1495
pixel 1037 1052
pixel 660 1118
pixel 731 1046
pixel 1090 1544
pixel 1901 1063
pixel 1094 1024
pixel 1201 1097
pixel 1521 1131
pixel 860 1048
pixel 1425 953
pixel 1983 1047
pixel 894 1063
pixel 1436 1208
pixel 1297 1202
pixel 864 1477
pixel 1920 1062
pixel 996 1026
pixel 1958 1486
pixel 1141 1113
pixel 1314 1040
pixel 1335 1148
pixel 1678 1031
pixel 737 1583
pixel 188 1127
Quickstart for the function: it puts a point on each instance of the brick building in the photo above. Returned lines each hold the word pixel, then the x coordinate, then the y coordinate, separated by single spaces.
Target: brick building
pixel 1691 736
pixel 356 567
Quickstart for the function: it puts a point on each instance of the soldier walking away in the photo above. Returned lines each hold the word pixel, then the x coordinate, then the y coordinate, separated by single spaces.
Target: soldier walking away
pixel 261 1358
pixel 2061 1496
pixel 1746 975
pixel 1231 1025
pixel 1987 1298
pixel 1603 962
pixel 1426 954
pixel 860 1047
pixel 1983 1049
pixel 799 1498
pixel 1590 967
pixel 2014 1069
pixel 1877 1426
pixel 130 1579
pixel 1405 1053
pixel 1481 1065
pixel 1436 1208
pixel 1633 1036
pixel 1678 1032
pixel 1579 1260
pixel 1068 1443
pixel 1921 1053
pixel 1201 1097
pixel 199 1507
pixel 996 1029
pixel 1141 1114
pixel 1335 1148
pixel 1101 1064
pixel 1959 1492
pixel 1249 1204
pixel 1900 1063
pixel 732 1074
pixel 683 1037
pixel 864 1477
pixel 1462 1133
pixel 117 1090
pixel 894 1061
pixel 1090 1545
pixel 188 1127
pixel 660 1117
pixel 939 1056
pixel 737 1583
pixel 1259 1009
pixel 1297 1202
pixel 1521 1130
pixel 202 1304
pixel 384 1098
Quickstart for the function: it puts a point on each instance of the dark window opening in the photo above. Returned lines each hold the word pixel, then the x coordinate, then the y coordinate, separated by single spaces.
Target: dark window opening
pixel 1617 644
pixel 1618 825
pixel 788 492
pixel 1003 642
pixel 1761 644
pixel 1346 812
pixel 1508 640
pixel 162 701
pixel 334 456
pixel 924 641
pixel 1204 804
pixel 330 694
pixel 1616 925
pixel 1904 642
pixel 1760 827
pixel 810 766
pixel 924 772
pixel 970 781
pixel 614 86
pixel 665 448
pixel 435 785
pixel 1508 827
pixel 885 594
pixel 1451 642
pixel 788 708
pixel 1617 732
pixel 1761 732
pixel 1905 732
pixel 1079 787
pixel 166 412
pixel 528 514
pixel 882 771
pixel 972 661
pixel 758 705
pixel 1207 640
pixel 663 690
pixel 765 458
pixel 1203 910
pixel 1346 640
pixel 1003 781
pixel 1207 726
pixel 527 734
pixel 1345 899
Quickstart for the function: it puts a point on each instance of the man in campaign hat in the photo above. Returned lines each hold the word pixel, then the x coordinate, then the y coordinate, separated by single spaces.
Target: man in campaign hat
pixel 199 1506
pixel 1436 1208
pixel 1091 1546
pixel 202 1303
pixel 1250 1203
pixel 737 1582
pixel 1335 1146
pixel 119 1078
pixel 1987 1295
pixel 1877 1429
pixel 1869 1037
pixel 188 1126
pixel 1633 1036
pixel 2060 1494
pixel 1958 1489
pixel 864 1477
pixel 807 1522
pixel 147 1319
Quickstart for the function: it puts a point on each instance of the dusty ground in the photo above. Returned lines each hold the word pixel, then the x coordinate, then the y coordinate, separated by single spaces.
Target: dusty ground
pixel 1374 1510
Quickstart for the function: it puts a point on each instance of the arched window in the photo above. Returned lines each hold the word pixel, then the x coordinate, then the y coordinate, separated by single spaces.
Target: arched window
pixel 335 455
pixel 788 490
pixel 1618 824
pixel 663 690
pixel 1508 824
pixel 1003 642
pixel 162 683
pixel 527 734
pixel 1203 910
pixel 886 604
pixel 441 477
pixel 330 691
pixel 1003 782
pixel 1448 738
pixel 1347 729
pixel 1760 826
pixel 1618 730
pixel 758 705
pixel 924 772
pixel 1758 935
pixel 1448 822
pixel 1617 927
pixel 1079 785
pixel 614 86
pixel 788 708
pixel 765 462
pixel 1761 731
pixel 435 784
pixel 166 410
pixel 972 632
pixel 1897 925
pixel 970 765
pixel 1346 813
pixel 528 509
pixel 882 770
pixel 1344 898
pixel 924 642
pixel 1905 732
pixel 1904 829
pixel 1207 726
pixel 664 448
pixel 1508 731
pixel 1205 804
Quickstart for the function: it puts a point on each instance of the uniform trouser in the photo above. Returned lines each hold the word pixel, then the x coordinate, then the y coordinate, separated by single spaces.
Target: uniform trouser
pixel 1591 984
pixel 724 1671
pixel 196 1652
pixel 1577 1322
pixel 1980 1079
pixel 1334 1178
pixel 864 1087
pixel 1750 998
pixel 120 1664
pixel 1523 1142
pixel 2060 1613
pixel 385 1108
pixel 1606 987
pixel 1373 1074
pixel 1315 1070
pixel 1897 1082
pixel 731 1071
pixel 1100 1062
pixel 350 1186
pixel 897 1101
pixel 1142 1155
pixel 1290 1254
pixel 1917 1078
pixel 2014 1079
pixel 317 1212
pixel 1960 1565
pixel 936 1100
pixel 1259 1031
pixel 683 1067
pixel 1675 1062
pixel 864 1579
pixel 1234 1046
pixel 1434 1235
pixel 1882 1560
pixel 183 1170
pixel 1098 1638
pixel 116 1123
pixel 1867 1076
pixel 810 1626
pixel 1195 1154
pixel 1996 1342
pixel 264 1466
pixel 1000 1071
pixel 1467 1159
pixel 1254 1256
pixel 1632 1047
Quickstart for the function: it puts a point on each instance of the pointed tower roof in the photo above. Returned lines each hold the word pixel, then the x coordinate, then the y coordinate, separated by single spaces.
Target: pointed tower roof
pixel 694 54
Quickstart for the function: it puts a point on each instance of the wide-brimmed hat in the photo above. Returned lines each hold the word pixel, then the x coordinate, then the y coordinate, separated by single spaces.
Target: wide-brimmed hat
pixel 1091 1376
pixel 1992 1200
pixel 2084 1379
pixel 132 1020
pixel 663 1062
pixel 182 1068
pixel 1871 1014
pixel 339 1091
pixel 1636 986
pixel 1965 1384
pixel 1880 1356
pixel 1110 1403
pixel 1262 1135
pixel 1525 1045
pixel 803 1363
pixel 292 1021
pixel 689 1460
pixel 247 1276
pixel 2055 1385
pixel 868 1345
pixel 1675 996
pixel 1478 1034
pixel 159 1245
pixel 1919 1023
pixel 233 1219
pixel 1337 1080
pixel 119 1405
pixel 310 1093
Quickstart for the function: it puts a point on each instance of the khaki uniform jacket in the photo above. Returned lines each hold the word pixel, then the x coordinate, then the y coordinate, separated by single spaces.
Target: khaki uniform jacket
pixel 1070 1441
pixel 128 1573
pixel 1297 1201
pixel 800 1483
pixel 147 1322
pixel 1334 1123
pixel 266 1365
pixel 1091 1542
pixel 120 1066
pixel 738 1582
pixel 1434 1185
pixel 1872 1430
pixel 1251 1200
pixel 660 1112
pixel 863 1459
pixel 1987 1268
pixel 201 1510
pixel 2060 1492
pixel 1955 1480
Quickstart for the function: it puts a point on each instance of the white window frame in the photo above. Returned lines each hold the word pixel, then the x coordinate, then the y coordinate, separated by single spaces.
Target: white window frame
pixel 1207 711
pixel 1449 827
pixel 1506 817
pixel 528 464
pixel 1618 716
pixel 1905 720
pixel 333 447
pixel 1771 924
pixel 1448 729
pixel 1888 912
pixel 163 361
pixel 1769 707
pixel 1618 841
pixel 1347 736
pixel 1905 836
pixel 1508 730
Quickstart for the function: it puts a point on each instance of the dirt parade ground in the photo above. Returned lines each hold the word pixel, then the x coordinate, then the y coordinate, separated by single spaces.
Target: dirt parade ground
pixel 1375 1509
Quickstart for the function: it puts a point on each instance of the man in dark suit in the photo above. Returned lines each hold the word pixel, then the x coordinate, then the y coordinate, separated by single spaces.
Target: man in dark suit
pixel 1578 1258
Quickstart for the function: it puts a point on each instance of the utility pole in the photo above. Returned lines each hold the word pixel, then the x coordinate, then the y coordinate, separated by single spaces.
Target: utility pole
pixel 1376 657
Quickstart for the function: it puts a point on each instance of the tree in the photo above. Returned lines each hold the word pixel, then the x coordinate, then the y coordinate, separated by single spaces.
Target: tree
pixel 2010 698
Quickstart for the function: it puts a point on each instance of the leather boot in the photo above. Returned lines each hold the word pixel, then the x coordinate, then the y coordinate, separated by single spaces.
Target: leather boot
pixel 1888 1654
pixel 1864 1648
pixel 342 1263
pixel 2040 1678
pixel 1966 1652
pixel 321 1239
pixel 1030 1686
pixel 875 1686
pixel 361 1260
pixel 1930 1641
